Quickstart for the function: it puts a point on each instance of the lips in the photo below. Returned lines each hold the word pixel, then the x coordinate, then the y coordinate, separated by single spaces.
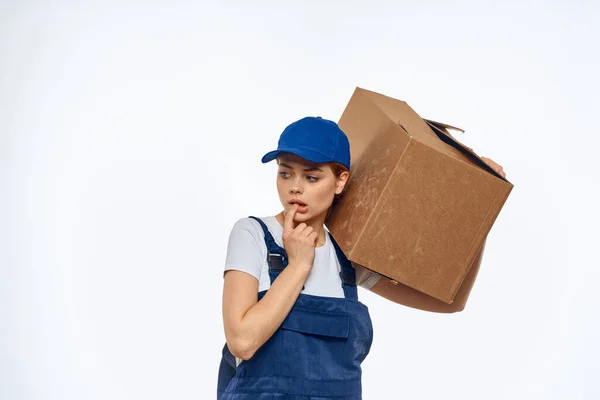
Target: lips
pixel 295 201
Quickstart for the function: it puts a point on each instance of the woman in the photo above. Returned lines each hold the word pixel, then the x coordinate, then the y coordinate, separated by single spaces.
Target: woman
pixel 306 334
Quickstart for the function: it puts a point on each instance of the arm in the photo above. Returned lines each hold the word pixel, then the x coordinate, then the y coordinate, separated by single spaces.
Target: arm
pixel 249 323
pixel 410 297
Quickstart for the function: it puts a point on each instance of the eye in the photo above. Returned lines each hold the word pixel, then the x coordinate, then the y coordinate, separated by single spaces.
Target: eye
pixel 312 177
pixel 282 174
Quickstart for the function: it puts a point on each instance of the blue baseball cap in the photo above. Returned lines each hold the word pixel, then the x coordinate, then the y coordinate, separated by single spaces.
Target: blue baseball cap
pixel 314 139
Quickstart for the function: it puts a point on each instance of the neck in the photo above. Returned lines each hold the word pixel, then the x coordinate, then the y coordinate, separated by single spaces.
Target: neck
pixel 316 223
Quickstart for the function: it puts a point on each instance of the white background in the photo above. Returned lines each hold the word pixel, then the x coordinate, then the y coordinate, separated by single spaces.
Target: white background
pixel 130 142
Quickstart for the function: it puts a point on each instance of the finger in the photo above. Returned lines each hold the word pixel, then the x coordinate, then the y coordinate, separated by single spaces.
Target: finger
pixel 313 238
pixel 307 232
pixel 495 166
pixel 288 222
pixel 299 230
pixel 488 161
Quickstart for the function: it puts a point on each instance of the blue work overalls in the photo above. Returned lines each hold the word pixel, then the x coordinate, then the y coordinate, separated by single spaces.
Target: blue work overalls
pixel 317 351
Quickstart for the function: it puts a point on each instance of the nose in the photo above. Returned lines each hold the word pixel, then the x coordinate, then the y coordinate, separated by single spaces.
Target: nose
pixel 296 187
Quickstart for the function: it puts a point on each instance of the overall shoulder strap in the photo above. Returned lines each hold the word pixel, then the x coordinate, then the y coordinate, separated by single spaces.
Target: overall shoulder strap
pixel 347 274
pixel 276 255
pixel 277 259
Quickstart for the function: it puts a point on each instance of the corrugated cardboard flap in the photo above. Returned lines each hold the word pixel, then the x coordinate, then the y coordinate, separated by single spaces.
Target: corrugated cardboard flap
pixel 441 129
pixel 443 125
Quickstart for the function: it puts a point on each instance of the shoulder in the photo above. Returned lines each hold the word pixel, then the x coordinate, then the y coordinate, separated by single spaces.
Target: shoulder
pixel 246 235
pixel 248 226
pixel 246 249
pixel 246 223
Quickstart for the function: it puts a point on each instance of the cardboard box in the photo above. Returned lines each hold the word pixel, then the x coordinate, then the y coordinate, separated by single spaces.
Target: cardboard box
pixel 419 203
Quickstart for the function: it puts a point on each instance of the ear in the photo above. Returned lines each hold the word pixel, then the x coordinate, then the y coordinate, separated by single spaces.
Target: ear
pixel 341 182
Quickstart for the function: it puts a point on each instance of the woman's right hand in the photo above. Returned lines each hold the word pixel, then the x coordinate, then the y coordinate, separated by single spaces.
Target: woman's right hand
pixel 299 242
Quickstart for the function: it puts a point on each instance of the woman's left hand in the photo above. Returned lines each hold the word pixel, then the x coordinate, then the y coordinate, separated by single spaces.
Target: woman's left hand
pixel 495 166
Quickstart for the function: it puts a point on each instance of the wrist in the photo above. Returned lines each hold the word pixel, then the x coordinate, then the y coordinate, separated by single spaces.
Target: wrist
pixel 300 265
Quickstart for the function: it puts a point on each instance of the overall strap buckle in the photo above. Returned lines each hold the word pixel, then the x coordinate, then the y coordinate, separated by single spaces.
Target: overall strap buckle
pixel 348 276
pixel 275 262
pixel 276 255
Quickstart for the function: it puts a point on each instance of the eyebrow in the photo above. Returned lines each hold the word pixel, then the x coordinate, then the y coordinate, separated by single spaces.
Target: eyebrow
pixel 305 169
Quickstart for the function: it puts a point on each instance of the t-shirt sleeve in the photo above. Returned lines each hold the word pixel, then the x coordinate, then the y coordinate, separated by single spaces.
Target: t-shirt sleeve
pixel 244 252
pixel 365 278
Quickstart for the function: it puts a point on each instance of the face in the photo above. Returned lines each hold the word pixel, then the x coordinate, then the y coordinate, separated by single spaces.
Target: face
pixel 313 184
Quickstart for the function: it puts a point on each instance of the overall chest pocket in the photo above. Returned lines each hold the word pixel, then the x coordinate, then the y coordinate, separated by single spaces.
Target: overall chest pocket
pixel 313 344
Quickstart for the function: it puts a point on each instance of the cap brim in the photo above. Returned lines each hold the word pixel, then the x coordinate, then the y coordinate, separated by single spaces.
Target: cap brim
pixel 306 154
pixel 270 156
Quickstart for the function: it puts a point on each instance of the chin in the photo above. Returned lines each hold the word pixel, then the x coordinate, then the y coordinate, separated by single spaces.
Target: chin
pixel 306 216
pixel 301 215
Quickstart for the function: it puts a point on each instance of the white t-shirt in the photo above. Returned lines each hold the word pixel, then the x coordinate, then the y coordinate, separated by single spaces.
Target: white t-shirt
pixel 247 251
